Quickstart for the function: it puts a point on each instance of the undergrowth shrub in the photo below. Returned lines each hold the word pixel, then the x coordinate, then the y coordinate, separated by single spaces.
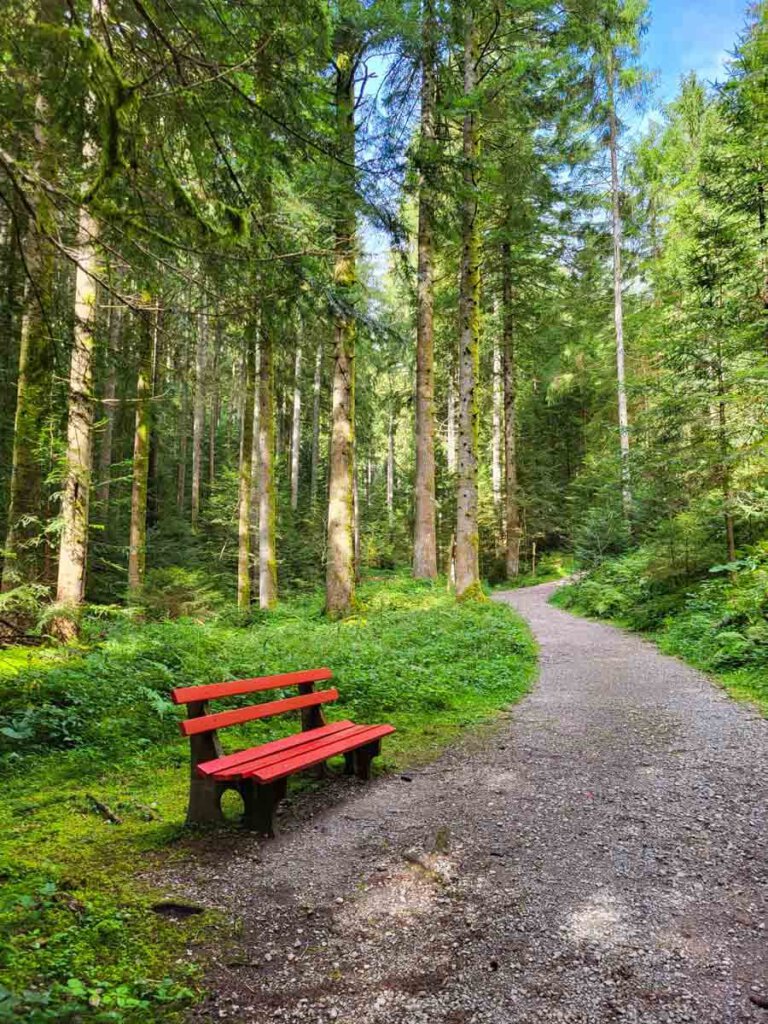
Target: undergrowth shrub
pixel 176 592
pixel 717 618
pixel 21 611
pixel 408 651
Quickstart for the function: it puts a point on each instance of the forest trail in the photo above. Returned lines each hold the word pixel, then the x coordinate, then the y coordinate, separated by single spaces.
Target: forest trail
pixel 600 856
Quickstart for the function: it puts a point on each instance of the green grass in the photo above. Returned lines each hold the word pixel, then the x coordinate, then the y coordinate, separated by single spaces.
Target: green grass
pixel 552 566
pixel 80 942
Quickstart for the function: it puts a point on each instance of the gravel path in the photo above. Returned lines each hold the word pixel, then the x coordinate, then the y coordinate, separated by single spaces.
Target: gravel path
pixel 601 855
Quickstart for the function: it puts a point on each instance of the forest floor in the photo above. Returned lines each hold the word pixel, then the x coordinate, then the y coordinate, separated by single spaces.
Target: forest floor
pixel 598 855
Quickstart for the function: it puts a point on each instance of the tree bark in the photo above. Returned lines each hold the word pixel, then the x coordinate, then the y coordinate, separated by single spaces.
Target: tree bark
pixel 104 484
pixel 198 417
pixel 762 225
pixel 183 428
pixel 391 466
pixel 316 393
pixel 213 427
pixel 496 421
pixel 73 550
pixel 467 540
pixel 724 467
pixel 424 533
pixel 267 505
pixel 137 544
pixel 512 505
pixel 255 473
pixel 618 313
pixel 340 570
pixel 296 430
pixel 356 514
pixel 246 479
pixel 35 368
pixel 13 229
pixel 450 430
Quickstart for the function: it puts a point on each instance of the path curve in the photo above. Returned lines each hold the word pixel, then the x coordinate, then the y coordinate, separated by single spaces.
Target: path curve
pixel 601 856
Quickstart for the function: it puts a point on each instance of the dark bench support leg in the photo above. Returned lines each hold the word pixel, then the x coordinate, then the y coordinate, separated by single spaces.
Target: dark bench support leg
pixel 259 804
pixel 363 757
pixel 204 794
pixel 204 801
pixel 349 763
pixel 312 718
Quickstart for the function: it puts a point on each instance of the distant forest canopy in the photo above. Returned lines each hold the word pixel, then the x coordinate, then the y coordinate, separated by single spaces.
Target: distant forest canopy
pixel 209 385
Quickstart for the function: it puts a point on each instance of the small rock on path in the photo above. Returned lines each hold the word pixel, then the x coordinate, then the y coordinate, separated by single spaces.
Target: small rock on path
pixel 602 855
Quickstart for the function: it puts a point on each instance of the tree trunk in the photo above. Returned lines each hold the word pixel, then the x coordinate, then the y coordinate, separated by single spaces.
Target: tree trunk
pixel 183 431
pixel 618 315
pixel 496 423
pixel 279 419
pixel 213 428
pixel 255 472
pixel 316 392
pixel 356 514
pixel 391 466
pixel 763 241
pixel 267 506
pixel 424 535
pixel 36 358
pixel 296 430
pixel 246 480
pixel 13 229
pixel 724 468
pixel 512 509
pixel 198 416
pixel 104 484
pixel 340 572
pixel 137 544
pixel 450 432
pixel 73 550
pixel 467 540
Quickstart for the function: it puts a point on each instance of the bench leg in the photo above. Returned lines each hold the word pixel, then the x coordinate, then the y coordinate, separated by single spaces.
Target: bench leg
pixel 259 803
pixel 204 806
pixel 363 757
pixel 349 763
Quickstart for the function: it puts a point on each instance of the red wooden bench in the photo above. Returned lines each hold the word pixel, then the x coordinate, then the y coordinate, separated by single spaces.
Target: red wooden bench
pixel 260 774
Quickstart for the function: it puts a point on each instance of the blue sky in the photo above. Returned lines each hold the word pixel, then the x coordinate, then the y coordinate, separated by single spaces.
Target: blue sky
pixel 690 35
pixel 684 35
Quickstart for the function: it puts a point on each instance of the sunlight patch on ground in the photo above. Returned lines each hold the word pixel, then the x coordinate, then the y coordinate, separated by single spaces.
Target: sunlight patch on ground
pixel 399 895
pixel 599 919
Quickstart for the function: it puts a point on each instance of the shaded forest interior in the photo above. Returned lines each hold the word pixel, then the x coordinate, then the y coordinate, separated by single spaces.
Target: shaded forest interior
pixel 291 293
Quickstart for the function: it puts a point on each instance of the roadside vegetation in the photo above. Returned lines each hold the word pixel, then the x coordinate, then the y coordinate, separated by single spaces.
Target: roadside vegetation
pixel 88 734
pixel 713 616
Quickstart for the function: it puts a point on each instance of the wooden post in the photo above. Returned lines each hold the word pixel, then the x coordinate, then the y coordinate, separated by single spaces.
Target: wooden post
pixel 204 793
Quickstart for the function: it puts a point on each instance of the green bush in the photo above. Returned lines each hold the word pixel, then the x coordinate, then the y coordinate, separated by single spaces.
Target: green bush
pixel 718 621
pixel 410 650
pixel 176 592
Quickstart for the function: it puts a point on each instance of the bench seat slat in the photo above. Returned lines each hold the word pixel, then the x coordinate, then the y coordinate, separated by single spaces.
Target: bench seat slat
pixel 212 691
pixel 296 764
pixel 261 760
pixel 229 761
pixel 221 719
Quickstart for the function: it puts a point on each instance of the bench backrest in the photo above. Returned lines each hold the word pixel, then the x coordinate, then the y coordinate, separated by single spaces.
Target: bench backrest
pixel 196 697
